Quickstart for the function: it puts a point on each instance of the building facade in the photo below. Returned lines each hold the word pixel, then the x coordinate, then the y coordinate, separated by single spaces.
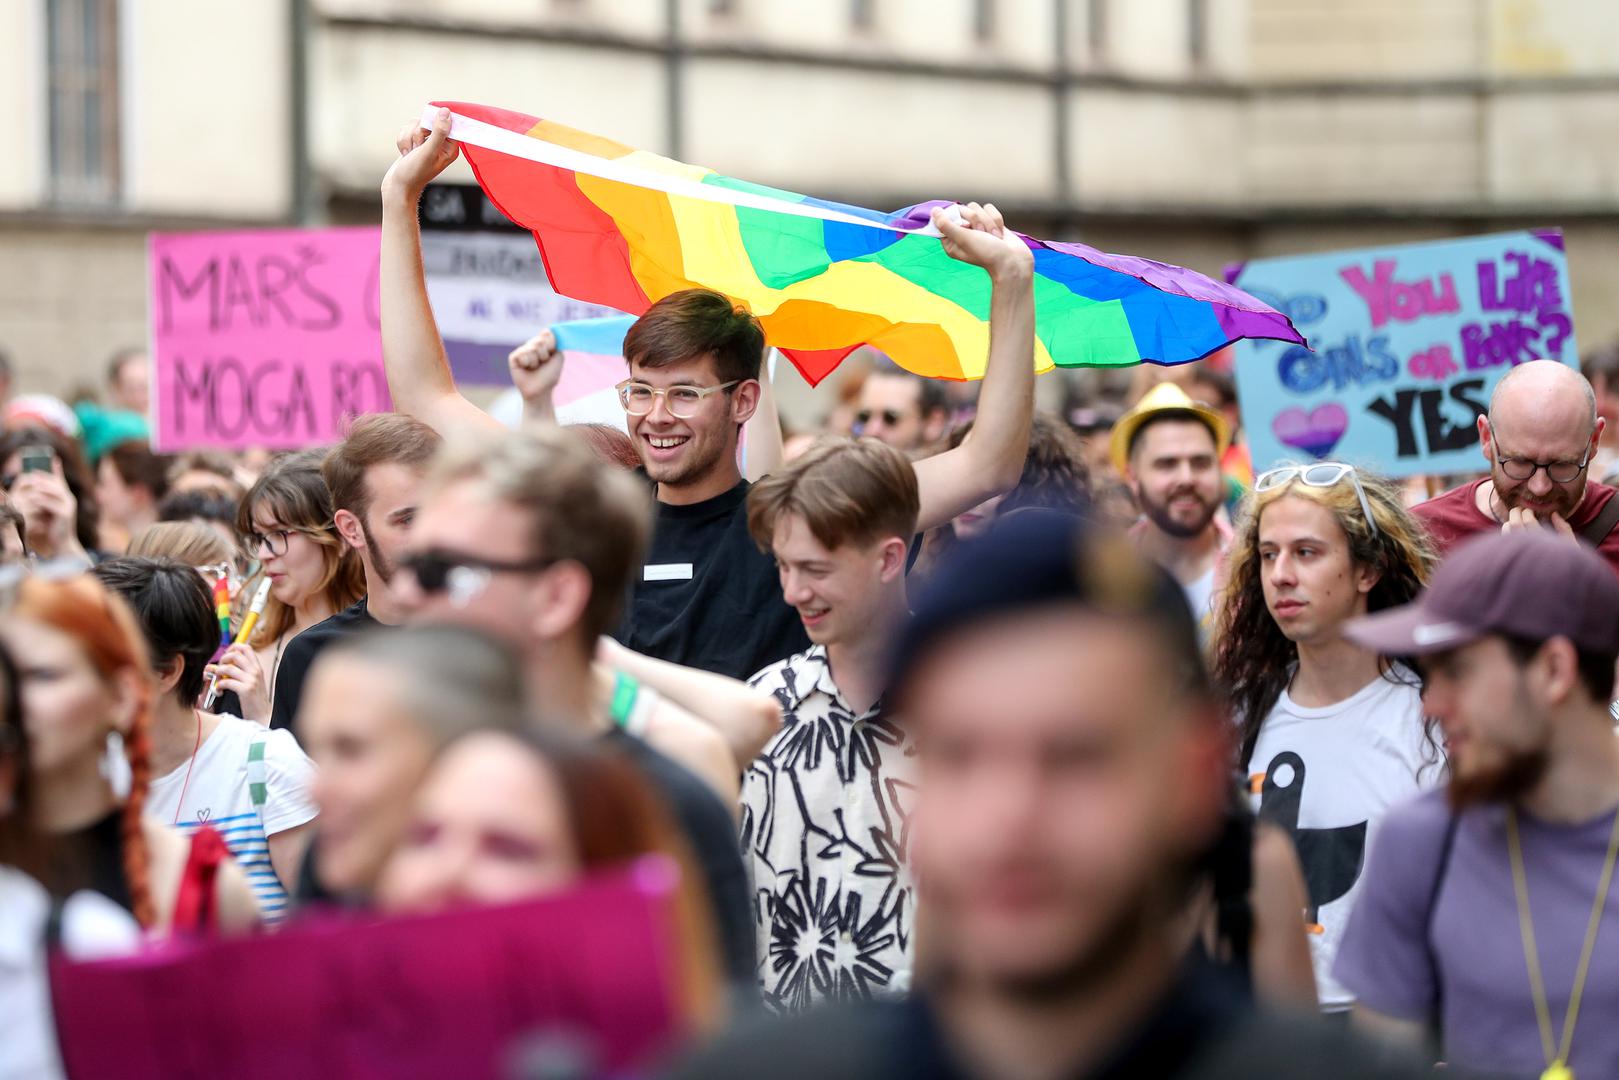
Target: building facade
pixel 1193 131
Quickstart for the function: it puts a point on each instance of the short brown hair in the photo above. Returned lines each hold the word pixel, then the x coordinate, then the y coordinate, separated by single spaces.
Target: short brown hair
pixel 698 322
pixel 582 510
pixel 375 439
pixel 846 490
pixel 137 466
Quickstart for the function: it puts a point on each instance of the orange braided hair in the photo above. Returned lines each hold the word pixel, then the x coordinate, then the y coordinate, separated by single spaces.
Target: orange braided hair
pixel 106 630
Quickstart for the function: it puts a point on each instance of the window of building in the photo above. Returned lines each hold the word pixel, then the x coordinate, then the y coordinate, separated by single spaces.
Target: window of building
pixel 1096 29
pixel 863 14
pixel 984 20
pixel 82 73
pixel 1197 32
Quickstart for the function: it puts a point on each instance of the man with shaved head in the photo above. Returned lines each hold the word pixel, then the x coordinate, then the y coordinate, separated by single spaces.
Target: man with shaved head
pixel 1539 437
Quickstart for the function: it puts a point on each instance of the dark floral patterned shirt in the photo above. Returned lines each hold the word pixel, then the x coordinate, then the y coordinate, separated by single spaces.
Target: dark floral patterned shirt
pixel 825 821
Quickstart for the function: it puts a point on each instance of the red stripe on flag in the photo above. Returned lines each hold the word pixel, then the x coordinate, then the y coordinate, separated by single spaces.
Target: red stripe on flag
pixel 585 256
pixel 816 364
pixel 501 118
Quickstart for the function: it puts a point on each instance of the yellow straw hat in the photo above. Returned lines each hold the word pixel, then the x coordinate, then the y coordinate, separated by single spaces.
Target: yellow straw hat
pixel 1165 398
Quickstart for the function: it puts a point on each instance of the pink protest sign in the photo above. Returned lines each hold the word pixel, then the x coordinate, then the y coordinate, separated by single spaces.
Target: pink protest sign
pixel 584 979
pixel 266 338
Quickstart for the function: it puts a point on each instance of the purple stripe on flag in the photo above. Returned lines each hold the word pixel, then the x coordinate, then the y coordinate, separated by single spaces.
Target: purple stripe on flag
pixel 1181 282
pixel 477 363
pixel 1256 324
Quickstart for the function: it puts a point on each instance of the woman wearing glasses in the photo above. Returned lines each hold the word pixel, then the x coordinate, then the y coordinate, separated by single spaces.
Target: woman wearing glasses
pixel 1332 735
pixel 285 521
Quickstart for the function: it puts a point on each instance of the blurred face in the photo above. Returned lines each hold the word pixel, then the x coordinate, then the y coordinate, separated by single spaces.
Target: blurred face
pixel 1311 584
pixel 1606 389
pixel 1175 472
pixel 490 826
pixel 296 571
pixel 976 522
pixel 119 502
pixel 462 520
pixel 687 450
pixel 891 410
pixel 130 389
pixel 1497 735
pixel 1051 823
pixel 1545 439
pixel 370 757
pixel 837 593
pixel 386 525
pixel 68 709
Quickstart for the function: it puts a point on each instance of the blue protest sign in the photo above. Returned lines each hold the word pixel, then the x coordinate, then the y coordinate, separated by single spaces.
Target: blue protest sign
pixel 1408 342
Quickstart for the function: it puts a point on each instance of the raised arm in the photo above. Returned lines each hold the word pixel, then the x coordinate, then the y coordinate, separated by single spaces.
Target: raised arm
pixel 536 368
pixel 762 442
pixel 990 461
pixel 746 717
pixel 413 354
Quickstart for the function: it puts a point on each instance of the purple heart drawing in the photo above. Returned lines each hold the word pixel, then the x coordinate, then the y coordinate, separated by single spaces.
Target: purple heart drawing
pixel 1315 433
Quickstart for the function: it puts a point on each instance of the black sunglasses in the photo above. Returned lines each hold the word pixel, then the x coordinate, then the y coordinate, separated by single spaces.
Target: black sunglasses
pixel 890 417
pixel 437 571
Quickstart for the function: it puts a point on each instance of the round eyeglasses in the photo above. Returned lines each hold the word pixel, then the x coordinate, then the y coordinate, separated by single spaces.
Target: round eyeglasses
pixel 275 541
pixel 1558 472
pixel 639 398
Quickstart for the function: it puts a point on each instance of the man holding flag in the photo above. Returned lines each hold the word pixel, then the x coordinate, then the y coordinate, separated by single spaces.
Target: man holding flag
pixel 707 597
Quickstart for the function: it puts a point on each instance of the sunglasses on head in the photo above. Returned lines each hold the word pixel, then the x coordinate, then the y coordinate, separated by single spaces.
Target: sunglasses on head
pixel 1323 474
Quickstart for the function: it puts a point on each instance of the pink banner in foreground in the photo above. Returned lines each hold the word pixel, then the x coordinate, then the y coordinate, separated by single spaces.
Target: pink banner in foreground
pixel 267 338
pixel 586 977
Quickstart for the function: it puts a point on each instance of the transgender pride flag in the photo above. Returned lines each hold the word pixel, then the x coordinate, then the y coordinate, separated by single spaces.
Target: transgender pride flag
pixel 592 367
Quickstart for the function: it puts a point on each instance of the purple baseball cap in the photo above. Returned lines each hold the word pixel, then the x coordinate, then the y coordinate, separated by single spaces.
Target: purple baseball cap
pixel 1533 585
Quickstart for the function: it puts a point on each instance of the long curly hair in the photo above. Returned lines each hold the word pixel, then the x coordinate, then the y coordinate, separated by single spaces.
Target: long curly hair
pixel 1252 657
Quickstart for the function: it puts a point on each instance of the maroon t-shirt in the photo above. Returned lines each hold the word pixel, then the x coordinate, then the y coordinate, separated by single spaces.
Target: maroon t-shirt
pixel 1454 516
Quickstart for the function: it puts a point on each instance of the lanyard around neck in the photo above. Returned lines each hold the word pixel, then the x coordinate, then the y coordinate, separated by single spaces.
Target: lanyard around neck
pixel 1557 1056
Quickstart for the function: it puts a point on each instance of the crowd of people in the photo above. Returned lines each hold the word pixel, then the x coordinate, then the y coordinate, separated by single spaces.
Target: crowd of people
pixel 986 741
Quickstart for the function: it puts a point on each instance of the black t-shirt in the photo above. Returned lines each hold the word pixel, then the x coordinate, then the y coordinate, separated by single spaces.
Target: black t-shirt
pixel 708 597
pixel 711 832
pixel 1200 1031
pixel 301 652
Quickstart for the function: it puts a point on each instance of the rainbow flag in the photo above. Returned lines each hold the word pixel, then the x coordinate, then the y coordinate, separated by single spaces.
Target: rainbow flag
pixel 222 612
pixel 624 228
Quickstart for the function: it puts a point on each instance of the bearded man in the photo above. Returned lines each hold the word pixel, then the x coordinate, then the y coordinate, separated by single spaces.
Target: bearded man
pixel 1168 449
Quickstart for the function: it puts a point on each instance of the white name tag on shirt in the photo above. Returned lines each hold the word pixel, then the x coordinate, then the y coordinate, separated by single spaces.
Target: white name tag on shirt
pixel 675 571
